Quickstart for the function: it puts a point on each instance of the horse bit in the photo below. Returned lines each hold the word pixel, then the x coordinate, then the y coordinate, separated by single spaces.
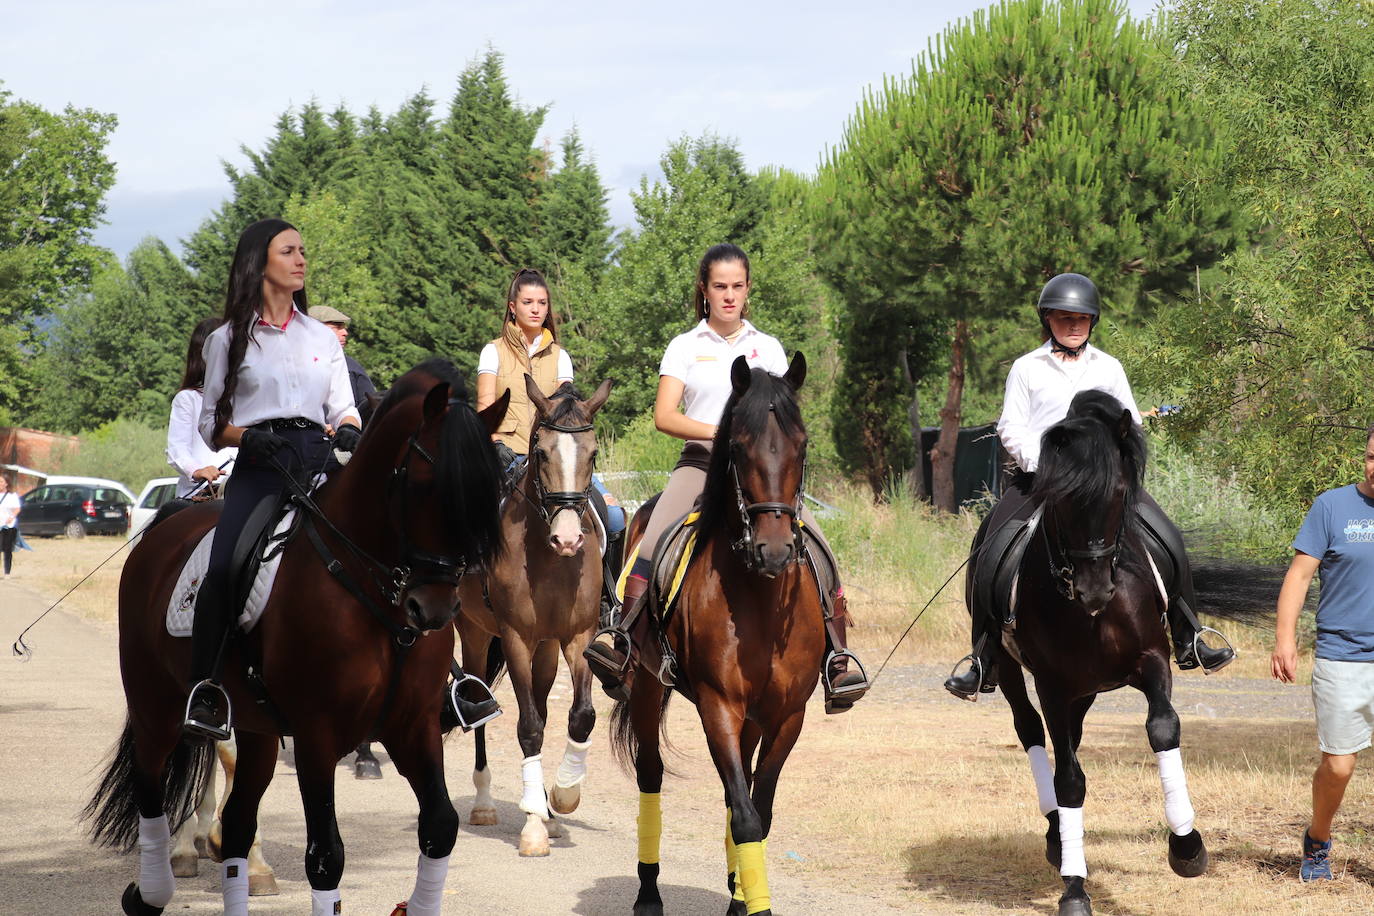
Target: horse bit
pixel 1097 549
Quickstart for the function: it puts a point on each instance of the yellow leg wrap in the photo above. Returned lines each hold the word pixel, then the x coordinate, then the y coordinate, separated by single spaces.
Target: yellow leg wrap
pixel 732 858
pixel 650 826
pixel 753 875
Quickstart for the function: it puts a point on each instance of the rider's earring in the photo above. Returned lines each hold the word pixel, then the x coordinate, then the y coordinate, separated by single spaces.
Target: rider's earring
pixel 510 316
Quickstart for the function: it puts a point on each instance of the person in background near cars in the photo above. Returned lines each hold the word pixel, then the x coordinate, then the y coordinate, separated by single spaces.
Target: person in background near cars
pixel 9 514
pixel 1337 538
pixel 195 462
pixel 358 378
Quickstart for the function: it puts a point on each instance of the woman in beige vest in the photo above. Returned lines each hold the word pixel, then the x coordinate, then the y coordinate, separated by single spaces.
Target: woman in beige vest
pixel 528 344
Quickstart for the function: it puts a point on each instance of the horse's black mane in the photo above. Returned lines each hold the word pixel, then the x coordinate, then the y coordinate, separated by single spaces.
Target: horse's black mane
pixel 1083 455
pixel 743 417
pixel 437 366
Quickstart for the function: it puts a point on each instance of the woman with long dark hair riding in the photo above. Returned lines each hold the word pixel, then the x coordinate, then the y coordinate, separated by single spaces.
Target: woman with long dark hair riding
pixel 1040 387
pixel 275 385
pixel 197 463
pixel 693 386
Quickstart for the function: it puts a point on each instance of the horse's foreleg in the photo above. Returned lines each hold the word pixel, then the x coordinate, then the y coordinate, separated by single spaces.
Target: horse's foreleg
pixel 723 723
pixel 419 757
pixel 255 761
pixel 646 713
pixel 772 756
pixel 521 660
pixel 1030 729
pixel 1065 720
pixel 567 787
pixel 324 848
pixel 1187 852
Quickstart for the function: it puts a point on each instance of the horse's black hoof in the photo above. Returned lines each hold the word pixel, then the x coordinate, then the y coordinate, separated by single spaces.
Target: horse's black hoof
pixel 133 905
pixel 1052 851
pixel 648 908
pixel 737 908
pixel 1187 855
pixel 1075 901
pixel 367 768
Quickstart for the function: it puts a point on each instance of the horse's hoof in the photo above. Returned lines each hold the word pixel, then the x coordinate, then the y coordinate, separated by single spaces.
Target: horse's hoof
pixel 133 905
pixel 483 817
pixel 1075 906
pixel 263 885
pixel 648 908
pixel 565 801
pixel 1052 850
pixel 533 848
pixel 737 908
pixel 1187 855
pixel 203 847
pixel 186 865
pixel 212 843
pixel 556 829
pixel 367 768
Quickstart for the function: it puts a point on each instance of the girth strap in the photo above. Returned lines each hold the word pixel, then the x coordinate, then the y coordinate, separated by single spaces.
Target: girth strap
pixel 403 636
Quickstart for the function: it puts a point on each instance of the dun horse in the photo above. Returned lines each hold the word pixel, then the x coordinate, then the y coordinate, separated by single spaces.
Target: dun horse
pixel 747 632
pixel 355 640
pixel 539 598
pixel 1089 617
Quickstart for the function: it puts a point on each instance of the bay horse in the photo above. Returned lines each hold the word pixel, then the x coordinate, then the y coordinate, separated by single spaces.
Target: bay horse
pixel 1089 618
pixel 747 632
pixel 355 640
pixel 540 597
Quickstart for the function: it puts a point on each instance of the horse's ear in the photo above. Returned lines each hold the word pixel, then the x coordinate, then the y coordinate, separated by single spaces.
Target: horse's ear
pixel 796 373
pixel 1123 425
pixel 436 402
pixel 740 376
pixel 537 398
pixel 598 398
pixel 495 412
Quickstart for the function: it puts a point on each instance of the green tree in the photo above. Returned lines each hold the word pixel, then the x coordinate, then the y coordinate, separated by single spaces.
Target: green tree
pixel 574 222
pixel 1032 139
pixel 53 179
pixel 1272 360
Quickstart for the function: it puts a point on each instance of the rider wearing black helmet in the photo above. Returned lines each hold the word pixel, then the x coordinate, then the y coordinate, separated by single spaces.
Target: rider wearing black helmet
pixel 1039 388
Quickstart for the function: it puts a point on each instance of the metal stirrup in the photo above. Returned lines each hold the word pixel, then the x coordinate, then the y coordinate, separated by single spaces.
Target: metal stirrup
pixel 1197 640
pixel 458 702
pixel 977 664
pixel 852 690
pixel 213 732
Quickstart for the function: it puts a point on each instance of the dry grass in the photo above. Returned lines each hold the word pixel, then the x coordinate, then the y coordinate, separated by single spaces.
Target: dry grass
pixel 57 564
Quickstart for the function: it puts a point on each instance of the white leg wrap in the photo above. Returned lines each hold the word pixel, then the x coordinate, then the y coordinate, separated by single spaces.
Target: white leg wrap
pixel 155 881
pixel 325 903
pixel 1044 778
pixel 533 800
pixel 1071 861
pixel 234 886
pixel 428 897
pixel 573 768
pixel 1178 807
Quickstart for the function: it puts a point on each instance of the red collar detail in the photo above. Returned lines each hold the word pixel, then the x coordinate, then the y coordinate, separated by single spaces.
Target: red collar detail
pixel 282 327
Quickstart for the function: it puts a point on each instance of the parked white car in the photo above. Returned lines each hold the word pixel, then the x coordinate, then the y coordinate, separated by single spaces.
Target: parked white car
pixel 155 492
pixel 89 482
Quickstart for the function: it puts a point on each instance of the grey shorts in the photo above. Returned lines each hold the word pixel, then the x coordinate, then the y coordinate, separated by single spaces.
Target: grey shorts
pixel 1343 694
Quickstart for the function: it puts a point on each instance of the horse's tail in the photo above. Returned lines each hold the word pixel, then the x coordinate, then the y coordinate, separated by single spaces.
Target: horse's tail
pixel 496 661
pixel 624 744
pixel 1240 591
pixel 113 811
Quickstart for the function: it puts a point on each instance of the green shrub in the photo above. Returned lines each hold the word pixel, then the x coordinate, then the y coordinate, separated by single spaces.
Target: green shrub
pixel 124 450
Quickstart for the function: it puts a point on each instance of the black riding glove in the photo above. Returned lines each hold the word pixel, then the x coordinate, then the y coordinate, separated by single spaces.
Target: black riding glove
pixel 260 444
pixel 346 438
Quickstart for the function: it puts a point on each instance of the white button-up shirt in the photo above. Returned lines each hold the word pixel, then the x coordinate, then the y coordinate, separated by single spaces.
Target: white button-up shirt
pixel 701 359
pixel 297 370
pixel 186 450
pixel 1039 389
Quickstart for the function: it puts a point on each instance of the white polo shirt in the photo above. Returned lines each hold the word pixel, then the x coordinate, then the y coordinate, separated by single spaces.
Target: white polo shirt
pixel 1039 389
pixel 701 359
pixel 296 370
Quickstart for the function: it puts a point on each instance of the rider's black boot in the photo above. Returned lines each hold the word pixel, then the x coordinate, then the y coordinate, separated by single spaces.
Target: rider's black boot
pixel 610 652
pixel 981 676
pixel 468 702
pixel 1189 649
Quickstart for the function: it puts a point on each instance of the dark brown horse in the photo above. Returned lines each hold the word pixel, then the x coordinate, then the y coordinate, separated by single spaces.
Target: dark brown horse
pixel 1089 617
pixel 361 648
pixel 540 598
pixel 747 633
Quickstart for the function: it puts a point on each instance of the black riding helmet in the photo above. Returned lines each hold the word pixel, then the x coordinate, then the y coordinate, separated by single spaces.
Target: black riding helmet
pixel 1068 293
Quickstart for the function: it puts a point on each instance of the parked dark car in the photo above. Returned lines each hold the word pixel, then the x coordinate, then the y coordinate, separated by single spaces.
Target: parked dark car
pixel 74 510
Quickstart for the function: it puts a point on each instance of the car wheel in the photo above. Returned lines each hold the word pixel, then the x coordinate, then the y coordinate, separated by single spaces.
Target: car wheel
pixel 74 530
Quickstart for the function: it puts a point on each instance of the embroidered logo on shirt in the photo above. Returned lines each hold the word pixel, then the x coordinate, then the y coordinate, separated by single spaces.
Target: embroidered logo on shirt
pixel 754 354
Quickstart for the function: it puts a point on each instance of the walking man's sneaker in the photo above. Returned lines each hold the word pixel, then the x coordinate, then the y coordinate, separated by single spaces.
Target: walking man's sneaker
pixel 1316 864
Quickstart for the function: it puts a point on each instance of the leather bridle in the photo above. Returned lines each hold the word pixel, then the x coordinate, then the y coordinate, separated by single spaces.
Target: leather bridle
pixel 549 503
pixel 746 545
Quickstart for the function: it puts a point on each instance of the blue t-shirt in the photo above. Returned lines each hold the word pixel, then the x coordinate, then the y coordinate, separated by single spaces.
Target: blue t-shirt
pixel 1339 531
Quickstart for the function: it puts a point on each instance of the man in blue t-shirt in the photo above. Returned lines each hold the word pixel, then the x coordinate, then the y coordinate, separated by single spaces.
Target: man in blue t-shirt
pixel 1337 538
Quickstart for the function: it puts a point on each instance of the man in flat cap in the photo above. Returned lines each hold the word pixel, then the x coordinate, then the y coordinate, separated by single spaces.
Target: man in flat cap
pixel 357 376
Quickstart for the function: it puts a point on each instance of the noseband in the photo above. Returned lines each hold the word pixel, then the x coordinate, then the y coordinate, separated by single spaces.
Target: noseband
pixel 746 546
pixel 550 503
pixel 1063 572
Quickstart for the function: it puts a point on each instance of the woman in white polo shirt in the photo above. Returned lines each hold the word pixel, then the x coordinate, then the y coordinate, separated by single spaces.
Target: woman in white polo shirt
pixel 693 387
pixel 1040 387
pixel 274 380
pixel 196 463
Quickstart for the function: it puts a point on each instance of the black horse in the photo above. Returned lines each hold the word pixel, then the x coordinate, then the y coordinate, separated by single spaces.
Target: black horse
pixel 1088 617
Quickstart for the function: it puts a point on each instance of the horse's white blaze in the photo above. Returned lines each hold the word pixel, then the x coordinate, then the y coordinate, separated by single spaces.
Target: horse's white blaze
pixel 1178 807
pixel 565 526
pixel 1071 861
pixel 155 881
pixel 1044 778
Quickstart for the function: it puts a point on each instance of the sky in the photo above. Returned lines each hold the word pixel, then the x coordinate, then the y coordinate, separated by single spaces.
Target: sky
pixel 191 83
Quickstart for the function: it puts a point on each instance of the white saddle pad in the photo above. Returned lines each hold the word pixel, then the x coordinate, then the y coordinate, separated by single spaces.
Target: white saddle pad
pixel 181 609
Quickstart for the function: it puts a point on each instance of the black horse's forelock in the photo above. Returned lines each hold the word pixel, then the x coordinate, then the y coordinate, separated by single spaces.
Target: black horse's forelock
pixel 1083 456
pixel 743 415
